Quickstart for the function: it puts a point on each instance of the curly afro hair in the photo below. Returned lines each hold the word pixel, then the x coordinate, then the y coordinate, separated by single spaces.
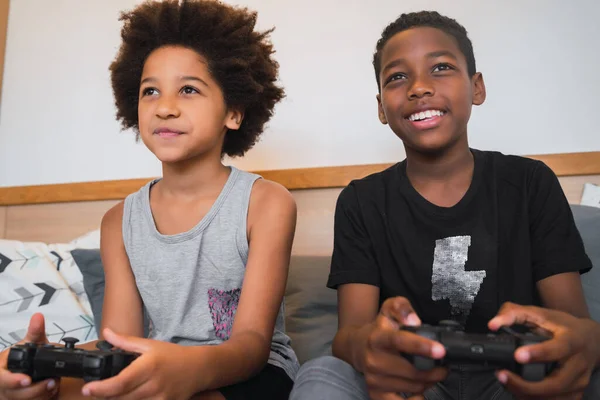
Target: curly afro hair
pixel 430 19
pixel 239 59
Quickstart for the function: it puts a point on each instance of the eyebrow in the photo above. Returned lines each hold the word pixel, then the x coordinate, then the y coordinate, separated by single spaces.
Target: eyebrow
pixel 433 54
pixel 183 78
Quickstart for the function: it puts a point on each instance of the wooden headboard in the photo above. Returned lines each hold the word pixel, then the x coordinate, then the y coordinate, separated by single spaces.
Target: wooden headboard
pixel 59 213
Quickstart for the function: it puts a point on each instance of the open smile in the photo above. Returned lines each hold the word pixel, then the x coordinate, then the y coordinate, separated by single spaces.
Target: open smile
pixel 426 119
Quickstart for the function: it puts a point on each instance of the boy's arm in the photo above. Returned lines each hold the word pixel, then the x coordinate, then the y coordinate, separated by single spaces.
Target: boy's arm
pixel 564 292
pixel 358 305
pixel 122 306
pixel 355 275
pixel 558 253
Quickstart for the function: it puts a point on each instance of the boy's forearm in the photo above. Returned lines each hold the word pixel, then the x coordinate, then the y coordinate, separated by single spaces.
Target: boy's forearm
pixel 235 360
pixel 350 344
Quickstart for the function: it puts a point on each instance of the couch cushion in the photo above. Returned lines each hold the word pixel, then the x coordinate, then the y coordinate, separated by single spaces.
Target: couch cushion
pixel 311 308
pixel 90 265
pixel 587 220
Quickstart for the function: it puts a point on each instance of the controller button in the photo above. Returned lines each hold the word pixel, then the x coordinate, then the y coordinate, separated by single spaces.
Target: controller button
pixel 477 349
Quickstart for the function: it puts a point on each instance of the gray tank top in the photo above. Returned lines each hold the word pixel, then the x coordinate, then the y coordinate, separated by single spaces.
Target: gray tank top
pixel 190 283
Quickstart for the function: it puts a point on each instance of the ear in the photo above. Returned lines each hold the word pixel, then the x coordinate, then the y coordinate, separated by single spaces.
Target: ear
pixel 380 112
pixel 478 87
pixel 234 119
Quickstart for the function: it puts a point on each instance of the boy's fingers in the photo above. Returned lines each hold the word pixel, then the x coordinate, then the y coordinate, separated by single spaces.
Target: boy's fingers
pixel 553 385
pixel 406 342
pixel 36 332
pixel 552 350
pixel 39 390
pixel 375 395
pixel 399 310
pixel 515 314
pixel 394 366
pixel 8 380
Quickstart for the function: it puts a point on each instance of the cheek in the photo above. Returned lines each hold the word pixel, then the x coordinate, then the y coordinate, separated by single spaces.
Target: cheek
pixel 144 117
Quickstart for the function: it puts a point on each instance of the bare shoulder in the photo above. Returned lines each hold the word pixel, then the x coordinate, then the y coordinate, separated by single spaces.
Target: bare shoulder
pixel 268 195
pixel 114 215
pixel 112 221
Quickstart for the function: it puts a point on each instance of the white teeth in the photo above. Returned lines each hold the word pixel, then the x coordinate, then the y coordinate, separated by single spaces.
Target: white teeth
pixel 425 114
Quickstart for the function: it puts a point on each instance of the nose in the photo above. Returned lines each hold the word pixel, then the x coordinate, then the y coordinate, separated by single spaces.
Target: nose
pixel 421 86
pixel 167 107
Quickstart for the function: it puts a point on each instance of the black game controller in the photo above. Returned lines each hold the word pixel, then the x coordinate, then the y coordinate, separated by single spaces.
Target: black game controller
pixel 45 361
pixel 491 349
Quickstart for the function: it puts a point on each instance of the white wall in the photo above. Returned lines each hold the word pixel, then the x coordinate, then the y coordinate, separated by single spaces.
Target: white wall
pixel 539 59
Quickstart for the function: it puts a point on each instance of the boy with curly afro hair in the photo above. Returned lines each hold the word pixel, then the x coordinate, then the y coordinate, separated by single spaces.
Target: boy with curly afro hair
pixel 195 262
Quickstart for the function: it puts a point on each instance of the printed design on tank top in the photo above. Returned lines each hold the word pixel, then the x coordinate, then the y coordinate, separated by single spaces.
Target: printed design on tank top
pixel 223 305
pixel 450 280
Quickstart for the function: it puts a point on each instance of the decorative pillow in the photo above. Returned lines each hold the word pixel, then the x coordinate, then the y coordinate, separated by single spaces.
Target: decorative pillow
pixel 90 240
pixel 90 265
pixel 37 277
pixel 591 195
pixel 587 220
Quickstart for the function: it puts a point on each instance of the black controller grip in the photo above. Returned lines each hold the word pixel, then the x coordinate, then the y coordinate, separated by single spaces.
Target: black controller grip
pixel 491 349
pixel 47 361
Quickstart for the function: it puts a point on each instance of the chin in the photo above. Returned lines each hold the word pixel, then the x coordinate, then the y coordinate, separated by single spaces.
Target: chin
pixel 170 157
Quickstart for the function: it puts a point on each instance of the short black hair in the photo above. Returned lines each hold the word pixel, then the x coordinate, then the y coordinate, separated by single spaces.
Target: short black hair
pixel 431 19
pixel 239 59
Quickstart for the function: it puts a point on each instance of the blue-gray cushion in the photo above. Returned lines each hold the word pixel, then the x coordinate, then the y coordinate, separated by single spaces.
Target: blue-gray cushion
pixel 587 220
pixel 310 307
pixel 90 265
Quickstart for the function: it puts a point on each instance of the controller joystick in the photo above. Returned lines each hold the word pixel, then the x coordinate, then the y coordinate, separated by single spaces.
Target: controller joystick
pixel 70 342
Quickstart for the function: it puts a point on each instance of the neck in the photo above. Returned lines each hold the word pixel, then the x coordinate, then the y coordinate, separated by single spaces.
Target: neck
pixel 194 177
pixel 444 166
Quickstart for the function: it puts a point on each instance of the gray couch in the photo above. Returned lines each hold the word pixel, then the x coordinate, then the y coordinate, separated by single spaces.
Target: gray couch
pixel 311 308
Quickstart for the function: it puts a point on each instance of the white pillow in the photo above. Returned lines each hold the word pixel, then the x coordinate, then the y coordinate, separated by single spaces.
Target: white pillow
pixel 90 240
pixel 37 277
pixel 591 195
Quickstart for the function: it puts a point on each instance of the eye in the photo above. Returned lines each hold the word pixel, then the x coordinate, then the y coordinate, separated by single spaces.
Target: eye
pixel 442 67
pixel 189 90
pixel 395 77
pixel 149 91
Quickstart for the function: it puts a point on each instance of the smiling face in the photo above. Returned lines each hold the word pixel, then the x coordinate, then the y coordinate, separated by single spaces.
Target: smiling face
pixel 426 92
pixel 182 113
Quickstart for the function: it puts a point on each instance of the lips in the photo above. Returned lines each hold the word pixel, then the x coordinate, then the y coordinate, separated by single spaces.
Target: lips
pixel 167 132
pixel 426 118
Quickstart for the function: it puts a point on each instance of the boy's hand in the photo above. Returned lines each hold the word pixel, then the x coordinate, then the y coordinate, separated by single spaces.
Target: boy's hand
pixel 574 345
pixel 19 386
pixel 386 371
pixel 158 373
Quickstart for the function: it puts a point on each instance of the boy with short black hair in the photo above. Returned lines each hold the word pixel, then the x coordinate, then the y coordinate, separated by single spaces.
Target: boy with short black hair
pixel 449 233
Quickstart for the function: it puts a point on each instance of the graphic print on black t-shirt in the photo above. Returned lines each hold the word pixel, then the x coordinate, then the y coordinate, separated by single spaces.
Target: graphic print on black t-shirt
pixel 450 281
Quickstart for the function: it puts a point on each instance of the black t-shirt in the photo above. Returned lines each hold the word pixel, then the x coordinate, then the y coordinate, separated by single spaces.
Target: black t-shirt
pixel 512 228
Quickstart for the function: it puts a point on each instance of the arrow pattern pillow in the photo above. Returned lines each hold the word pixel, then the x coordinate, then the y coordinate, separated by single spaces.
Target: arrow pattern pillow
pixel 38 277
